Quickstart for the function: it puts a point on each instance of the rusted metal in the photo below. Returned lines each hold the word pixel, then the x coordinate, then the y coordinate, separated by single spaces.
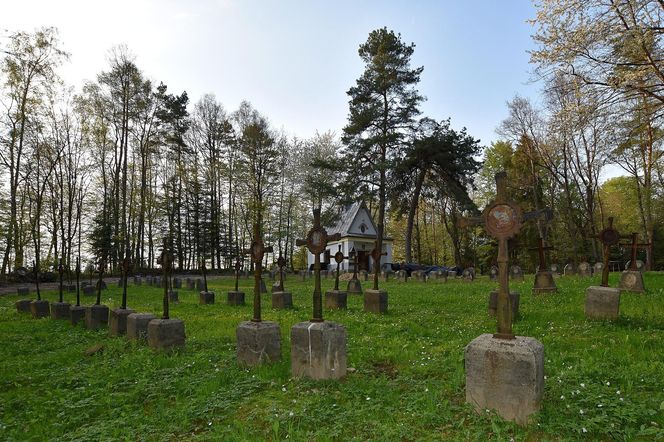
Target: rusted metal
pixel 608 237
pixel 281 262
pixel 238 266
pixel 375 255
pixel 338 258
pixel 166 261
pixel 635 246
pixel 540 251
pixel 257 252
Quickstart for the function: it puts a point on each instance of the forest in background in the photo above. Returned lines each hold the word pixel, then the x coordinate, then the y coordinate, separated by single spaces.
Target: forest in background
pixel 119 166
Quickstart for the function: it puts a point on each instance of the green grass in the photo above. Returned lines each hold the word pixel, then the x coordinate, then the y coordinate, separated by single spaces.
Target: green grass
pixel 408 382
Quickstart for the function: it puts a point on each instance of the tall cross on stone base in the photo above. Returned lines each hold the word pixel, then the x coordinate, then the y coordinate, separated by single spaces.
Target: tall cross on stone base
pixel 238 267
pixel 166 261
pixel 281 263
pixel 258 251
pixel 540 251
pixel 338 258
pixel 608 237
pixel 543 277
pixel 375 255
pixel 502 219
pixel 316 242
pixel 635 246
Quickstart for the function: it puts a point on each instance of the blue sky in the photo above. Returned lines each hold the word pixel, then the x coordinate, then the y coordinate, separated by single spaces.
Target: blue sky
pixel 295 60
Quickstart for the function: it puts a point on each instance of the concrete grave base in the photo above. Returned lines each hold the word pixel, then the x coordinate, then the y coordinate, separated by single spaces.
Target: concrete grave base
pixel 137 326
pixel 258 342
pixel 177 283
pixel 354 287
pixel 544 283
pixel 200 285
pixel 493 304
pixel 375 301
pixel 632 281
pixel 40 308
pixel 23 291
pixel 77 314
pixel 505 375
pixel 96 316
pixel 173 296
pixel 118 321
pixel 23 305
pixel 282 300
pixel 336 299
pixel 235 298
pixel 88 290
pixel 164 334
pixel 602 302
pixel 318 350
pixel 206 298
pixel 60 310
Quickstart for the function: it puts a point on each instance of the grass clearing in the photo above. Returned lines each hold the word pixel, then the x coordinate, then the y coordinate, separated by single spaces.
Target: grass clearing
pixel 604 380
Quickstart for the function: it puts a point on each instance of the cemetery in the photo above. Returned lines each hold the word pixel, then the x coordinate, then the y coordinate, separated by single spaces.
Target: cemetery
pixel 172 268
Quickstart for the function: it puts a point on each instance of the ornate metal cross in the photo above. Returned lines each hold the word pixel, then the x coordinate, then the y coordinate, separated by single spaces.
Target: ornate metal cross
pixel 61 271
pixel 352 255
pixel 608 237
pixel 126 268
pixel 316 242
pixel 338 258
pixel 502 219
pixel 281 262
pixel 258 251
pixel 375 255
pixel 540 249
pixel 635 245
pixel 78 281
pixel 166 261
pixel 102 266
pixel 238 267
pixel 204 272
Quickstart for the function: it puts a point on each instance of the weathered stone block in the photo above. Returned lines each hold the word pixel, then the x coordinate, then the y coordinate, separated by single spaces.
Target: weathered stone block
pixel 235 298
pixel 602 302
pixel 258 342
pixel 336 299
pixel 40 308
pixel 206 298
pixel 354 287
pixel 632 281
pixel 60 310
pixel 137 325
pixel 585 271
pixel 88 290
pixel 364 275
pixel 385 276
pixel 191 284
pixel 200 285
pixel 505 375
pixel 118 321
pixel 23 305
pixel 318 350
pixel 516 273
pixel 177 283
pixel 165 334
pixel 23 291
pixel 77 314
pixel 402 276
pixel 493 304
pixel 173 296
pixel 544 283
pixel 282 300
pixel 138 280
pixel 70 288
pixel 375 301
pixel 96 316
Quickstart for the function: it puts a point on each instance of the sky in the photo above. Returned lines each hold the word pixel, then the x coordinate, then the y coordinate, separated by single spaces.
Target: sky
pixel 295 60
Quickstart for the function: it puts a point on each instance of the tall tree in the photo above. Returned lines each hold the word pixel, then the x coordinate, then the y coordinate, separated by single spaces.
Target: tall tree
pixel 382 110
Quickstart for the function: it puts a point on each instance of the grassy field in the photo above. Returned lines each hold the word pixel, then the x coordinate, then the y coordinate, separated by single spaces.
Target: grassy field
pixel 604 380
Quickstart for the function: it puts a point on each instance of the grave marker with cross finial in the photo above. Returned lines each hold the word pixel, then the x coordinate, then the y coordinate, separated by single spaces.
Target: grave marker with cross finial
pixel 166 261
pixel 504 372
pixel 281 298
pixel 337 299
pixel 257 252
pixel 77 312
pixel 609 236
pixel 60 309
pixel 316 242
pixel 544 282
pixel 376 255
pixel 632 279
pixel 236 297
pixel 117 322
pixel 354 285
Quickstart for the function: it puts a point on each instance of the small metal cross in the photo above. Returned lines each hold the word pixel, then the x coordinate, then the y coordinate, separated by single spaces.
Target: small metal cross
pixel 608 237
pixel 257 252
pixel 540 249
pixel 635 245
pixel 375 255
pixel 339 258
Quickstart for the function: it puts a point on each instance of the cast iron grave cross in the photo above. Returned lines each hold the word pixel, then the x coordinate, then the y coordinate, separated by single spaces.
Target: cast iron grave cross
pixel 635 245
pixel 608 237
pixel 375 255
pixel 353 260
pixel 339 258
pixel 258 251
pixel 166 261
pixel 316 242
pixel 281 262
pixel 61 270
pixel 502 220
pixel 126 268
pixel 238 267
pixel 540 249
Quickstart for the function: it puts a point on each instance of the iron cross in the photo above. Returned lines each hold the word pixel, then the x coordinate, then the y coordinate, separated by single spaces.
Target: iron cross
pixel 281 262
pixel 238 267
pixel 540 249
pixel 353 260
pixel 316 242
pixel 338 258
pixel 166 261
pixel 608 237
pixel 635 245
pixel 502 219
pixel 257 252
pixel 375 255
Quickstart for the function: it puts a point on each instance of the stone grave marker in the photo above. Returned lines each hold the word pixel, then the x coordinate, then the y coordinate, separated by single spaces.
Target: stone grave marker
pixel 23 305
pixel 468 274
pixel 544 282
pixel 318 347
pixel 640 265
pixel 138 280
pixel 598 267
pixel 375 300
pixel 336 299
pixel 77 312
pixel 603 302
pixel 281 299
pixel 555 269
pixel 569 270
pixel 402 276
pixel 504 372
pixel 205 296
pixel 354 285
pixel 516 273
pixel 60 309
pixel 493 273
pixel 236 297
pixel 584 270
pixel 632 278
pixel 96 315
pixel 258 341
pixel 364 275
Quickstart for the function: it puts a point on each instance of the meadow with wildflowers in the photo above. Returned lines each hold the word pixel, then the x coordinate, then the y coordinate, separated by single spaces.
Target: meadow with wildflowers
pixel 604 380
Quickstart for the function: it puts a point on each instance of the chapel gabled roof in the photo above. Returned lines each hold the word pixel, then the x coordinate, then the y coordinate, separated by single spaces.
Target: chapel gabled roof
pixel 345 222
